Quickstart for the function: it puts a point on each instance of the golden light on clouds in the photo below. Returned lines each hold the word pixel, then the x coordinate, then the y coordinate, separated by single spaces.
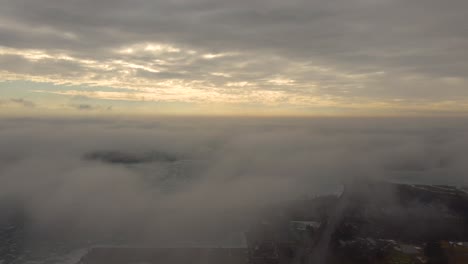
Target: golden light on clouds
pixel 145 79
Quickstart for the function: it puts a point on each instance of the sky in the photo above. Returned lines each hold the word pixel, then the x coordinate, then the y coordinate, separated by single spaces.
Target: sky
pixel 244 57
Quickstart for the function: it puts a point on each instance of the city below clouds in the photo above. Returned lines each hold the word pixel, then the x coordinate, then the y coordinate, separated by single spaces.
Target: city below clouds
pixel 337 57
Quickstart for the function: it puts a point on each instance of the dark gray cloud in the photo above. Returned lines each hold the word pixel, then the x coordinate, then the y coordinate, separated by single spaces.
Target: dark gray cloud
pixel 119 157
pixel 89 107
pixel 84 107
pixel 337 28
pixel 23 102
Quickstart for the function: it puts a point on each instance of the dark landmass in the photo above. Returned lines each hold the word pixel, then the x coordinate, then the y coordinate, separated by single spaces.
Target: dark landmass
pixel 119 157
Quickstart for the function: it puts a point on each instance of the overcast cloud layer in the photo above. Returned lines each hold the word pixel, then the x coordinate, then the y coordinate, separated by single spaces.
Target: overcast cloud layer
pixel 100 176
pixel 307 55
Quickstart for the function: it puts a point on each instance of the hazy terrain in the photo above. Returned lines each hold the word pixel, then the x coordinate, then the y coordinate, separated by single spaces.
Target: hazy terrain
pixel 198 180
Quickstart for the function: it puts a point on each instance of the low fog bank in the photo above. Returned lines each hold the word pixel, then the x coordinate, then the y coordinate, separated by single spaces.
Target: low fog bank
pixel 160 180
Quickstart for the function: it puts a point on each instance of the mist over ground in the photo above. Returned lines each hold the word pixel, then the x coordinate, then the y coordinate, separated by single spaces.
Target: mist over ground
pixel 165 179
